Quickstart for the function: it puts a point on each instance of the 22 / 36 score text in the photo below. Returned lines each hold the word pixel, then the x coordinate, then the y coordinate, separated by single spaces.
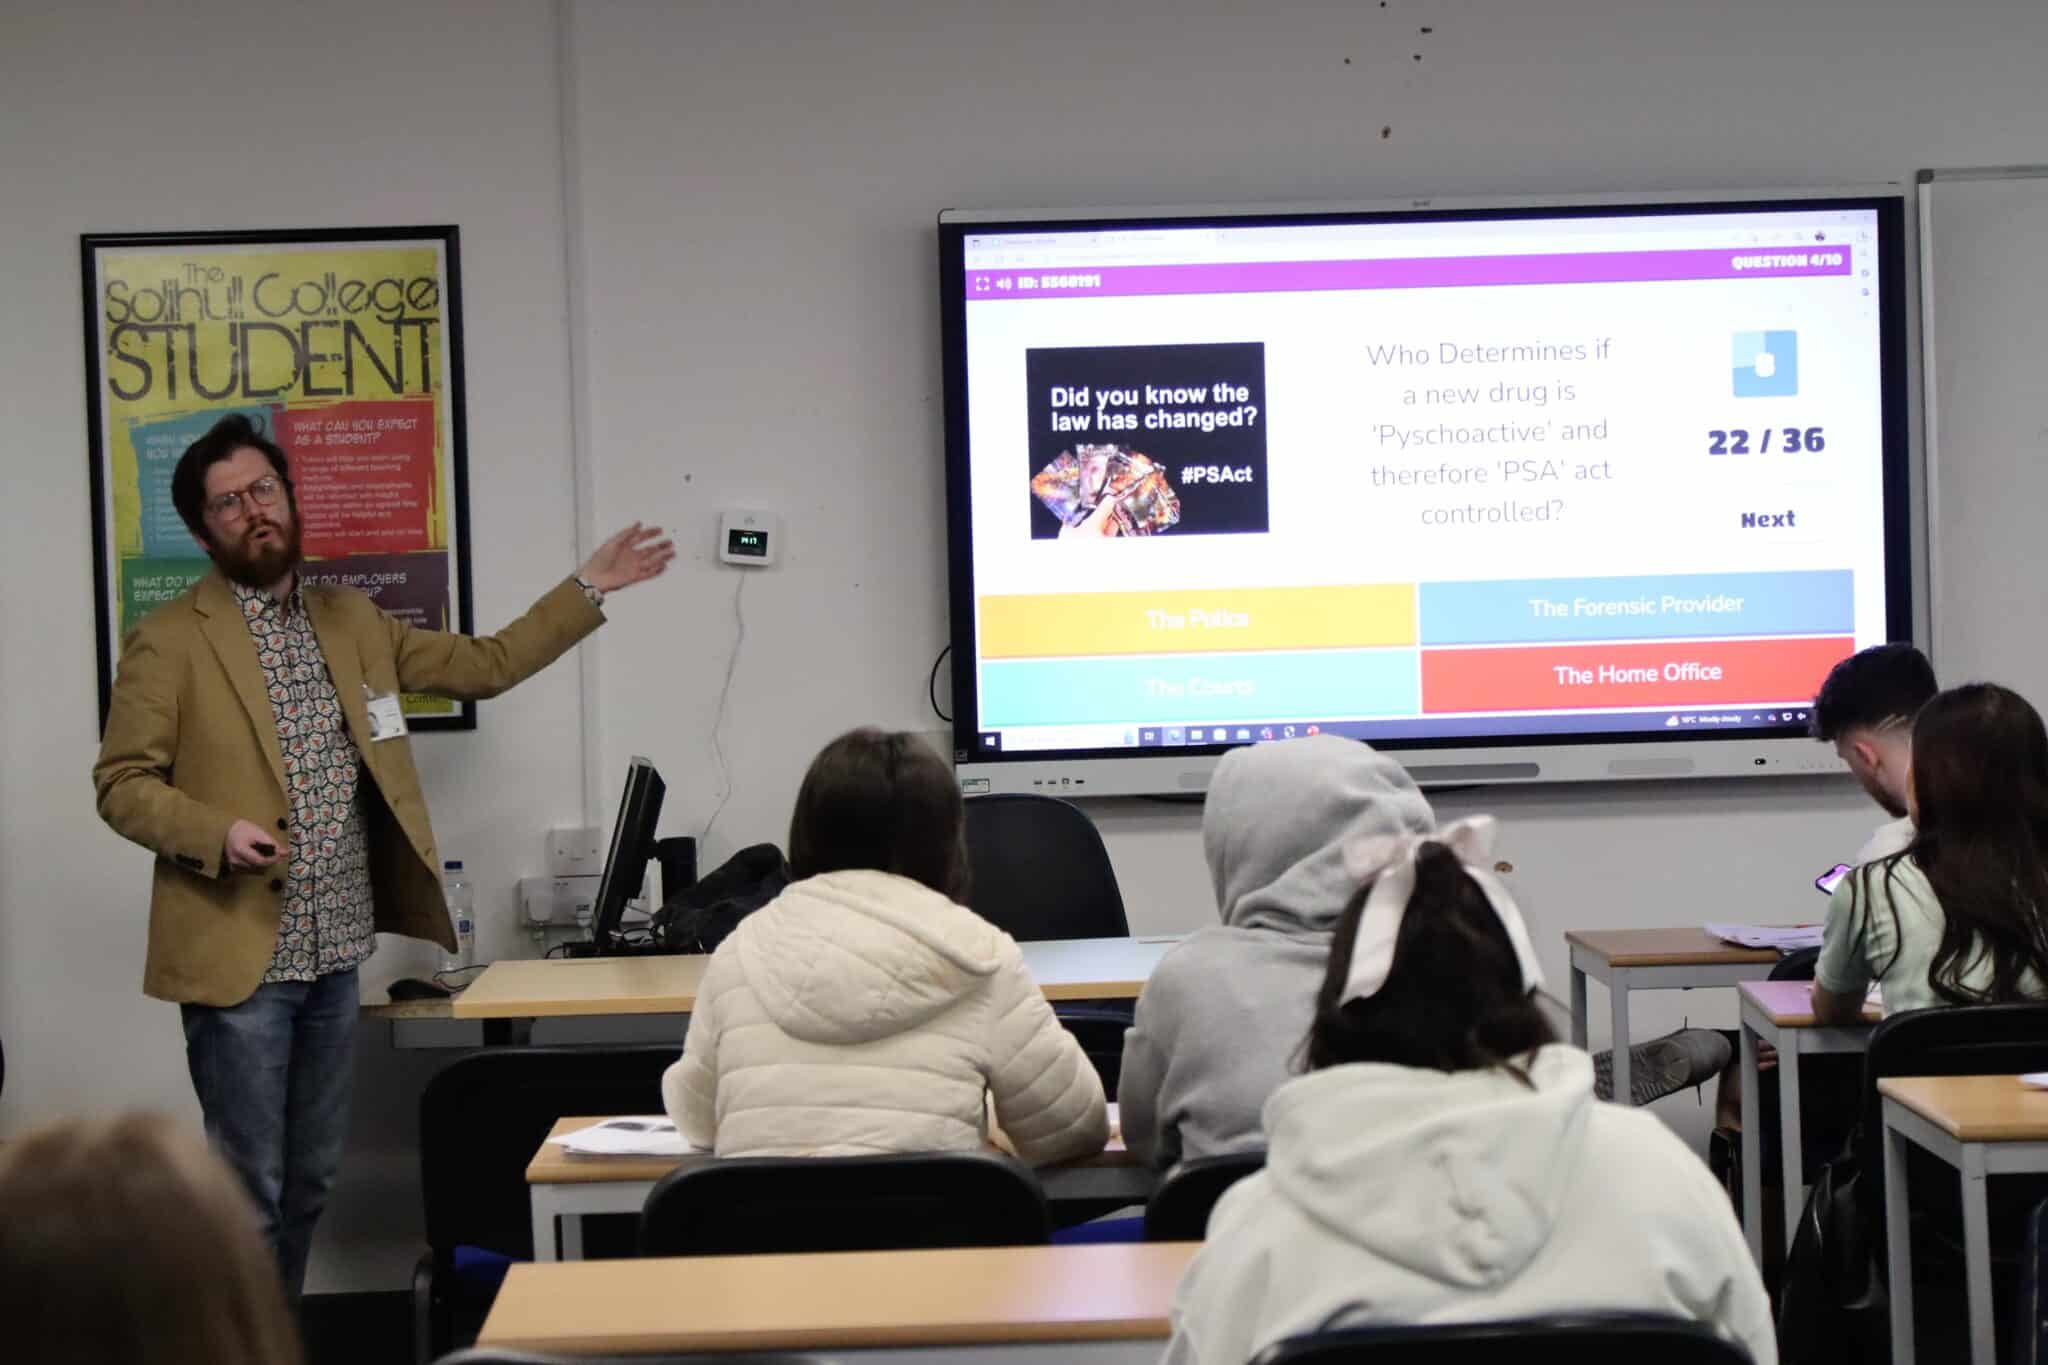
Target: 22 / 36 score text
pixel 1786 440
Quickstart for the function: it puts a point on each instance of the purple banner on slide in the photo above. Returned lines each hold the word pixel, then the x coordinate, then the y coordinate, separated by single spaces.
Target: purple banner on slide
pixel 1421 272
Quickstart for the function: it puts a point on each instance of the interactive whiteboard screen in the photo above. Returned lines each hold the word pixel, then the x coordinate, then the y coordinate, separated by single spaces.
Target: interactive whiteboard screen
pixel 1517 493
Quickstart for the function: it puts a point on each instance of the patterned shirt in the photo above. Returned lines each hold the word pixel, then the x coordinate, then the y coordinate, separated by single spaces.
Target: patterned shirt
pixel 326 925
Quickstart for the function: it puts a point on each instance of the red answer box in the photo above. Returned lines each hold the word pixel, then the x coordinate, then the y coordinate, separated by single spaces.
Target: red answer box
pixel 365 476
pixel 1678 673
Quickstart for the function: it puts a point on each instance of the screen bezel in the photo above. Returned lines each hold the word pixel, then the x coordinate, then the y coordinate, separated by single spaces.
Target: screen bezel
pixel 1590 756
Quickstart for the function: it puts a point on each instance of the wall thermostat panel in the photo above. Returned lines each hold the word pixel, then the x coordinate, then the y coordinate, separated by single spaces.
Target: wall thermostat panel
pixel 749 538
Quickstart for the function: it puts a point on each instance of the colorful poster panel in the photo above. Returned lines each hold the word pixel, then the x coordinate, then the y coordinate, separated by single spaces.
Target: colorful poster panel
pixel 345 346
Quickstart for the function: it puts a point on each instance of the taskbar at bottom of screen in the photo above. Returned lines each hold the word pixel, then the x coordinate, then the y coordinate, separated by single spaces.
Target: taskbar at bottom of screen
pixel 1777 719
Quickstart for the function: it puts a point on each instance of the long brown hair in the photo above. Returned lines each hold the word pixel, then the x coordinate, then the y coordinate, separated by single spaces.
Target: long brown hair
pixel 124 1239
pixel 1980 789
pixel 881 800
pixel 1453 999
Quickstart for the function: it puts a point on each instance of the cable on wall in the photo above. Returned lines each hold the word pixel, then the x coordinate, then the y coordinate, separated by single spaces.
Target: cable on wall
pixel 931 685
pixel 739 623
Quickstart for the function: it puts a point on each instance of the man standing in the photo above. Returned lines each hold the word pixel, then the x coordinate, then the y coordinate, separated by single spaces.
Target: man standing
pixel 255 745
pixel 1865 709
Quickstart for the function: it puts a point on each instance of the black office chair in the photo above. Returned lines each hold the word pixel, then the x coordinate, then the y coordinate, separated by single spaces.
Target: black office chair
pixel 1819 1319
pixel 488 1355
pixel 1040 870
pixel 743 1206
pixel 1582 1339
pixel 2029 1343
pixel 1179 1209
pixel 482 1118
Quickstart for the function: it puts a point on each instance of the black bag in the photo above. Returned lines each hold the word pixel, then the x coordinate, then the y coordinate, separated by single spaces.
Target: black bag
pixel 697 918
pixel 1832 1306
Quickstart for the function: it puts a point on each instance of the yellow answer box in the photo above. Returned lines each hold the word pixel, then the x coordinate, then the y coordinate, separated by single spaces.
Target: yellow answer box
pixel 1196 621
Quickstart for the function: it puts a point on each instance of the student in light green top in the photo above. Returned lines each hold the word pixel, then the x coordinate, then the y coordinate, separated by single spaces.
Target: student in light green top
pixel 1960 916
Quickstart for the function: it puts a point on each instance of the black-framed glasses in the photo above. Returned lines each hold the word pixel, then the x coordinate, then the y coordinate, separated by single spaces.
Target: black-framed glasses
pixel 263 493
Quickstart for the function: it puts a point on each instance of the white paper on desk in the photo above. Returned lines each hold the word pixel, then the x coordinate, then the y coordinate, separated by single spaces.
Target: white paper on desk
pixel 1785 939
pixel 651 1135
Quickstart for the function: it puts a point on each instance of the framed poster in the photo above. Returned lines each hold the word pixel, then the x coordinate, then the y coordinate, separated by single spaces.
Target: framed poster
pixel 345 346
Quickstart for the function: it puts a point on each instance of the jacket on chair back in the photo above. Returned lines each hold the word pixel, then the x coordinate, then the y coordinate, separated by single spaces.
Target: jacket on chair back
pixel 860 1013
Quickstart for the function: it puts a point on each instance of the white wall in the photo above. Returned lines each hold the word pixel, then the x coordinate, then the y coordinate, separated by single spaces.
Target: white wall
pixel 760 182
pixel 756 185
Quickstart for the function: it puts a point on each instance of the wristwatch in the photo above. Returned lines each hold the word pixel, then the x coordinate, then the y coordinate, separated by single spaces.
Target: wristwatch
pixel 590 590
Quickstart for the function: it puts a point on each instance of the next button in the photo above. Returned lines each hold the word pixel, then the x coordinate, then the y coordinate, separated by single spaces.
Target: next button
pixel 1755 519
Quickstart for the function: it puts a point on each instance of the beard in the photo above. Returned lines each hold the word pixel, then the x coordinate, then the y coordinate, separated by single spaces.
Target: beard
pixel 259 564
pixel 1891 805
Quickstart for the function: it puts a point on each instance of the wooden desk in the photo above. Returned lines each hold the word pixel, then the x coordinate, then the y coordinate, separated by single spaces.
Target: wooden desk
pixel 568 1188
pixel 1098 1303
pixel 1781 1013
pixel 531 988
pixel 1982 1126
pixel 1651 959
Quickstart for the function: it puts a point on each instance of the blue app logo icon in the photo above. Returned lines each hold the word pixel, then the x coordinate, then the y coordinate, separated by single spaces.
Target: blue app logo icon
pixel 1766 364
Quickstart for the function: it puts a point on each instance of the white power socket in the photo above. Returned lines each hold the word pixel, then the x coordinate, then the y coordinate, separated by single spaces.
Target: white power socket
pixel 560 901
pixel 576 852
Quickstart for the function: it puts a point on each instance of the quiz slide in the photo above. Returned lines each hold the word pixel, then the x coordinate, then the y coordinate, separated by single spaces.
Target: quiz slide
pixel 1625 466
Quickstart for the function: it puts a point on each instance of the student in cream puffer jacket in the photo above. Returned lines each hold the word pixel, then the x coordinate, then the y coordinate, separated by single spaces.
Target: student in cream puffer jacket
pixel 864 1010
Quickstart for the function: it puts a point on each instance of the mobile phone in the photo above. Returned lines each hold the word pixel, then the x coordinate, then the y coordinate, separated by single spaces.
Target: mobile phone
pixel 267 850
pixel 1827 881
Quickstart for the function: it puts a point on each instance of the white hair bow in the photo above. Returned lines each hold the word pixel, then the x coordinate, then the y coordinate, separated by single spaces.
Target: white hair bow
pixel 1389 860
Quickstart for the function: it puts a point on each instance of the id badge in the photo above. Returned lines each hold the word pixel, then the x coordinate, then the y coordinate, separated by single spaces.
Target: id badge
pixel 387 717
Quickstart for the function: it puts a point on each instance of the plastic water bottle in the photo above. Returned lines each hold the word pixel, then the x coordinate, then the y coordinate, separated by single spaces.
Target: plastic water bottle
pixel 462 908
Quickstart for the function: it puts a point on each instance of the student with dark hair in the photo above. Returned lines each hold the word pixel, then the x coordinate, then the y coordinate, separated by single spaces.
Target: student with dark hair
pixel 124 1239
pixel 1865 709
pixel 865 1010
pixel 1443 1159
pixel 1960 915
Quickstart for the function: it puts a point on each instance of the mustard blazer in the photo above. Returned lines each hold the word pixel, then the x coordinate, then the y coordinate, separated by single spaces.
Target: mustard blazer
pixel 191 746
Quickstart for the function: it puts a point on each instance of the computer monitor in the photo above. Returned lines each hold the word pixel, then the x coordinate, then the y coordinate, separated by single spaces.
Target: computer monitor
pixel 625 867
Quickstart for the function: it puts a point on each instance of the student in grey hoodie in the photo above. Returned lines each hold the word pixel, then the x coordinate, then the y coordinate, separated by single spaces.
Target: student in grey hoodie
pixel 1220 1023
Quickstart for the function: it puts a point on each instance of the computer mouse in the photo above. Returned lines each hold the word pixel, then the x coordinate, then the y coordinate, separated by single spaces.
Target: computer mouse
pixel 412 988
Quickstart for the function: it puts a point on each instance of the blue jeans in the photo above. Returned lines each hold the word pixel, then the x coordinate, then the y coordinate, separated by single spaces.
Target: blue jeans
pixel 273 1076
